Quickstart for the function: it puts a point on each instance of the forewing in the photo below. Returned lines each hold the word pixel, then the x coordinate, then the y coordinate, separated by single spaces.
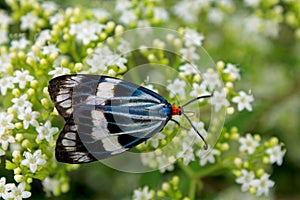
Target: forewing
pixel 61 91
pixel 108 116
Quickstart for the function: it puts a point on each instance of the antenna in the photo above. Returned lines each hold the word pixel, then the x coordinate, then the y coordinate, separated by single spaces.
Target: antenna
pixel 193 126
pixel 197 98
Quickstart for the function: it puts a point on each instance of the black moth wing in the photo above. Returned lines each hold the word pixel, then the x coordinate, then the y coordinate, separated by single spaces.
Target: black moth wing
pixel 105 116
pixel 69 148
pixel 61 91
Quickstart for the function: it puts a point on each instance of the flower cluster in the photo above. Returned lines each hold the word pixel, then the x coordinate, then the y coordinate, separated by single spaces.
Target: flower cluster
pixel 168 190
pixel 252 176
pixel 141 13
pixel 39 41
pixel 265 17
pixel 11 191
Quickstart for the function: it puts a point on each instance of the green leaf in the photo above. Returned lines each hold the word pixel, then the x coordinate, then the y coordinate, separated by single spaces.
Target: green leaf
pixel 10 165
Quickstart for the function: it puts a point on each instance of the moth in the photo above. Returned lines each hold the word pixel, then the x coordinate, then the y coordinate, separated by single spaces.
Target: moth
pixel 106 116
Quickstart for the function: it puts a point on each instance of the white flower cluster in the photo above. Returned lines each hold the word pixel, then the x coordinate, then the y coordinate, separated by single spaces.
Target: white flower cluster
pixel 86 31
pixel 142 194
pixel 11 191
pixel 249 145
pixel 129 17
pixel 104 57
pixel 262 184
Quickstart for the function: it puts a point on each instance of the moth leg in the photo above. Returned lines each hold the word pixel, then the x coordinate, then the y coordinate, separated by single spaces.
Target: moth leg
pixel 176 122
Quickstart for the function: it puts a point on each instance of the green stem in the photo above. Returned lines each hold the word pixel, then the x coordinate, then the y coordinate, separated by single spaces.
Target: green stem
pixel 195 177
pixel 73 51
pixel 187 170
pixel 209 170
pixel 192 190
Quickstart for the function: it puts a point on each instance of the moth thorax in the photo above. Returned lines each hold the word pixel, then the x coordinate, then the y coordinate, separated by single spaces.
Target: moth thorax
pixel 176 110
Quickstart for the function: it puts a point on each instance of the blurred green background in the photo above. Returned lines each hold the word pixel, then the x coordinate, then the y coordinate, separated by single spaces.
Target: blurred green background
pixel 270 67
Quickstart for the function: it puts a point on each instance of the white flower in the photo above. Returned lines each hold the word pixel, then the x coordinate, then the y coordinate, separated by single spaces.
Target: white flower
pixel 208 158
pixel 148 158
pixel 19 44
pixel 189 69
pixel 186 153
pixel 156 138
pixel 263 184
pixel 59 71
pixel 160 14
pixel 5 61
pixel 104 51
pixel 187 10
pixel 123 5
pixel 252 3
pixel 50 185
pixel 233 71
pixel 104 57
pixel 124 47
pixel 276 154
pixel 192 37
pixel 189 54
pixel 18 193
pixel 33 160
pixel 6 121
pixel 21 103
pixel 49 6
pixel 33 56
pixel 225 4
pixel 199 90
pixel 86 31
pixel 142 194
pixel 2 187
pixel 50 49
pixel 252 24
pixel 6 83
pixel 212 79
pixel 219 100
pixel 43 37
pixel 5 137
pixel 165 163
pixel 271 28
pixel 248 144
pixel 22 77
pixel 29 117
pixel 177 87
pixel 56 19
pixel 215 16
pixel 3 36
pixel 46 132
pixel 2 153
pixel 101 14
pixel 243 101
pixel 144 24
pixel 116 60
pixel 245 180
pixel 5 19
pixel 29 21
pixel 128 17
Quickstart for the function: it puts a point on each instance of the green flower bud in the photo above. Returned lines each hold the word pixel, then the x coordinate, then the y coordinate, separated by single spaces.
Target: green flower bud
pixel 166 186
